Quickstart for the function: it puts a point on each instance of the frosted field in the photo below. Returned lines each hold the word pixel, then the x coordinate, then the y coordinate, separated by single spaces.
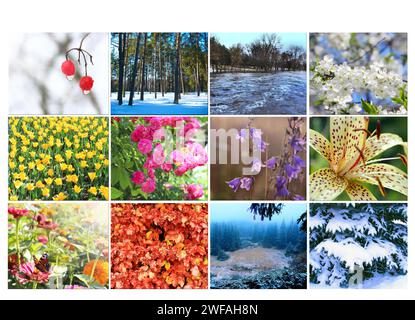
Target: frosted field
pixel 189 104
pixel 377 282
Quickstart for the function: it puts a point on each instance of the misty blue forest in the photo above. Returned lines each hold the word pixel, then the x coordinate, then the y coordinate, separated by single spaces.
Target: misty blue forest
pixel 258 246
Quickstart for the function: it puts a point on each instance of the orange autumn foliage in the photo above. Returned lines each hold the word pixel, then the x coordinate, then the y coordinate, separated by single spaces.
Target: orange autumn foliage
pixel 159 246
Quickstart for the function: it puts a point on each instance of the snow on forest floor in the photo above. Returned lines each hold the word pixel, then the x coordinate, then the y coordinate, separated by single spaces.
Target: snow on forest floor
pixel 385 282
pixel 379 281
pixel 249 261
pixel 189 104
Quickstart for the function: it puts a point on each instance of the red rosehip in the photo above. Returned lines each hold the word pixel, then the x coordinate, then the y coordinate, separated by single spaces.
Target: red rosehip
pixel 86 84
pixel 68 69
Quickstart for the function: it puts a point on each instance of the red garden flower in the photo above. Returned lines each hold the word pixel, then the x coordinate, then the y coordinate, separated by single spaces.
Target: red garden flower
pixel 17 213
pixel 148 186
pixel 138 177
pixel 28 273
pixel 43 239
pixel 145 146
pixel 194 191
pixel 44 223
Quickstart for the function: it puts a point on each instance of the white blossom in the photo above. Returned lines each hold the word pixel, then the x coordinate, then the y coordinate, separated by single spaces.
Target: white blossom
pixel 336 83
pixel 349 66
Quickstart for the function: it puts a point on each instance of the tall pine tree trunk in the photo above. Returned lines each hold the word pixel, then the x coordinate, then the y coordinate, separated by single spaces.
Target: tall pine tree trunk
pixel 197 65
pixel 181 75
pixel 138 86
pixel 120 66
pixel 143 68
pixel 166 74
pixel 160 66
pixel 126 39
pixel 206 59
pixel 134 71
pixel 154 65
pixel 177 71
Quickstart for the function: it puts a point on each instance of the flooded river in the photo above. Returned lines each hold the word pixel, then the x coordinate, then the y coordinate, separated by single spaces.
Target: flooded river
pixel 258 93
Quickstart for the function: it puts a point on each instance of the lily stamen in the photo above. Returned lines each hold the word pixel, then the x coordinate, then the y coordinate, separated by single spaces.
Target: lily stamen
pixel 381 188
pixel 383 159
pixel 365 130
pixel 362 156
pixel 404 159
pixel 378 129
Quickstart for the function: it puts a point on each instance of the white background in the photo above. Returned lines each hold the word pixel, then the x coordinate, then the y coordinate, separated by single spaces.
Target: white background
pixel 212 16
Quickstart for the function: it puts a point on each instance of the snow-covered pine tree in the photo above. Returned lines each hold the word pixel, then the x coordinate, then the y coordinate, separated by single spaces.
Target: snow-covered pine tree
pixel 351 243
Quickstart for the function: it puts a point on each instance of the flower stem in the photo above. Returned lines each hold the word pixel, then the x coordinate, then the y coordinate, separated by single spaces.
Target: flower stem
pixel 250 120
pixel 17 242
pixel 70 276
pixel 266 171
pixel 94 266
pixel 34 285
pixel 57 279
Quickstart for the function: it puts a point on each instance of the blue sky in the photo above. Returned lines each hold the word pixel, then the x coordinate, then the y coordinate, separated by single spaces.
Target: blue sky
pixel 287 38
pixel 226 212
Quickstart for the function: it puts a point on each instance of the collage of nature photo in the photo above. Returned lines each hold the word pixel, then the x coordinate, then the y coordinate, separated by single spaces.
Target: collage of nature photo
pixel 208 160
